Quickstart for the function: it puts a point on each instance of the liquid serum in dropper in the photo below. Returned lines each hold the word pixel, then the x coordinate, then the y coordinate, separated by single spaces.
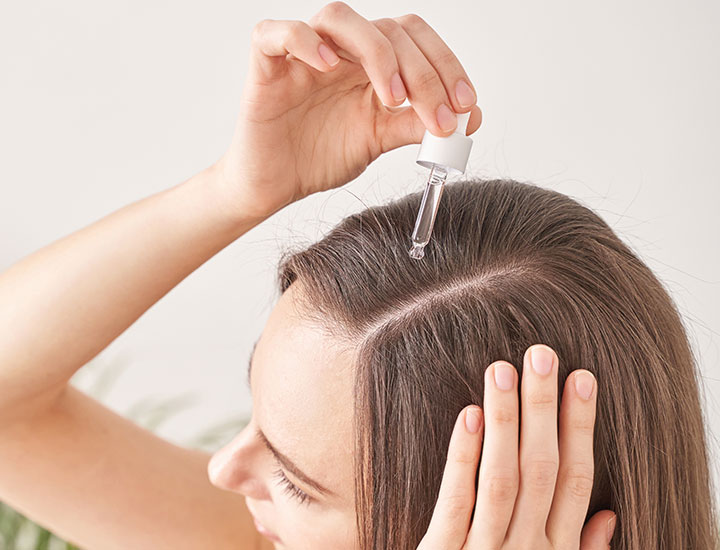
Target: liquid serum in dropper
pixel 444 156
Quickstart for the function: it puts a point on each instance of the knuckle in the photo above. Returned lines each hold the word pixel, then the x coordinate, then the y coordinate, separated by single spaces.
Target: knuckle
pixel 258 29
pixel 387 25
pixel 335 9
pixel 425 80
pixel 500 485
pixel 456 504
pixel 582 425
pixel 540 472
pixel 541 399
pixel 579 480
pixel 295 31
pixel 380 52
pixel 503 415
pixel 411 20
pixel 445 58
pixel 464 457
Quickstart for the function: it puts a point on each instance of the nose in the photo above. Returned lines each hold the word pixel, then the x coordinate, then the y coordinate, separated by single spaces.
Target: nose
pixel 236 467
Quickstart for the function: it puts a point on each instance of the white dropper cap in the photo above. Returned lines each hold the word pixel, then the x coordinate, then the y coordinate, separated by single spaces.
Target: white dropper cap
pixel 452 151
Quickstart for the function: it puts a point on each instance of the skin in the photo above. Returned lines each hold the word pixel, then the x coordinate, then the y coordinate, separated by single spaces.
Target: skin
pixel 100 480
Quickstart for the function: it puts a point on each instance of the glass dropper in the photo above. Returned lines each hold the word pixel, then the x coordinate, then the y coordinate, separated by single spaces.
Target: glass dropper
pixel 443 156
pixel 428 210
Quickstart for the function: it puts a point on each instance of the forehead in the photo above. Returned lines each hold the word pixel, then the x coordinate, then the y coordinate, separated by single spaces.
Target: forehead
pixel 302 394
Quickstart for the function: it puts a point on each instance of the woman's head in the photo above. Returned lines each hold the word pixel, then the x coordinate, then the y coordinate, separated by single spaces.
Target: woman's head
pixel 387 350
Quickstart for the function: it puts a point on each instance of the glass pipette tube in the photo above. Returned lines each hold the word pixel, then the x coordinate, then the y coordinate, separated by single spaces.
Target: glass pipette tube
pixel 428 210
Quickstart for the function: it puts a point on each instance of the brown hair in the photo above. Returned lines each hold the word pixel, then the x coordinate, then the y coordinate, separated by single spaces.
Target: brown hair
pixel 509 265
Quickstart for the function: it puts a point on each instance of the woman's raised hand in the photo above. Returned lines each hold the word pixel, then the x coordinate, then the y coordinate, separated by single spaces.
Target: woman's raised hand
pixel 306 125
pixel 532 498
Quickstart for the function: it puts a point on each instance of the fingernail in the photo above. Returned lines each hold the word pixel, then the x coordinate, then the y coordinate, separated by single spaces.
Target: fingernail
pixel 472 420
pixel 464 94
pixel 397 88
pixel 329 56
pixel 541 359
pixel 611 528
pixel 584 384
pixel 446 118
pixel 504 376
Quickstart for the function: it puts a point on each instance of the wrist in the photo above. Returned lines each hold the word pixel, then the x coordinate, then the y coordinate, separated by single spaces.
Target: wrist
pixel 226 198
pixel 256 198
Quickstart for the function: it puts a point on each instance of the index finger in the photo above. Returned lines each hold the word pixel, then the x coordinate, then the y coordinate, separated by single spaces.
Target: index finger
pixel 577 465
pixel 450 521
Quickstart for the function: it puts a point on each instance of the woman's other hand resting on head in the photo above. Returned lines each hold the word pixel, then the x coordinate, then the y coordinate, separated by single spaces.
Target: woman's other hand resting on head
pixel 534 497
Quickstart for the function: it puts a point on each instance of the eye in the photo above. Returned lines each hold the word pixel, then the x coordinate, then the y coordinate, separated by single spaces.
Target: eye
pixel 290 488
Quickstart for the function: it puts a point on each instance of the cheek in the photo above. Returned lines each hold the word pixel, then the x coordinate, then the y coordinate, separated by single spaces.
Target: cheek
pixel 311 527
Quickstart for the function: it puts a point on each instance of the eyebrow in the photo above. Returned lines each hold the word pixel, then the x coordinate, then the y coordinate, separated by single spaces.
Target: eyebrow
pixel 292 467
pixel 282 458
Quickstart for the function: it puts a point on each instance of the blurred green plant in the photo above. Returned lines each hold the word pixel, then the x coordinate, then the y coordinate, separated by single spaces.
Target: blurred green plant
pixel 18 532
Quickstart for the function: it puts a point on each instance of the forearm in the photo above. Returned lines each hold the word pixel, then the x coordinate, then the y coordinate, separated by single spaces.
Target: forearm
pixel 64 303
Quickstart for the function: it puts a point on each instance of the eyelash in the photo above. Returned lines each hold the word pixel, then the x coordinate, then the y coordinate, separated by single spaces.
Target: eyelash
pixel 291 489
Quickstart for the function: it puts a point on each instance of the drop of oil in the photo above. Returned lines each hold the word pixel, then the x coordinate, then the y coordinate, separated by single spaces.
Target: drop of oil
pixel 417 251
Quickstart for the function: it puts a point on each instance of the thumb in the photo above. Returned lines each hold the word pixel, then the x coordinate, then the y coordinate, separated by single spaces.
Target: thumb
pixel 595 532
pixel 402 126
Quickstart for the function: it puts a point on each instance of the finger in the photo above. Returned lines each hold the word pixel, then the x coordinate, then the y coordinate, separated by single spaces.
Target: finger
pixel 539 455
pixel 272 41
pixel 340 51
pixel 598 531
pixel 451 517
pixel 498 478
pixel 426 91
pixel 575 477
pixel 355 34
pixel 459 89
pixel 402 126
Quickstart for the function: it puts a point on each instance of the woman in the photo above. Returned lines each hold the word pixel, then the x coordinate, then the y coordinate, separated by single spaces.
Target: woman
pixel 372 365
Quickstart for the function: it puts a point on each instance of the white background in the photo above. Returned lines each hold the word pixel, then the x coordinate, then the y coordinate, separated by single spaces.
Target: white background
pixel 103 103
